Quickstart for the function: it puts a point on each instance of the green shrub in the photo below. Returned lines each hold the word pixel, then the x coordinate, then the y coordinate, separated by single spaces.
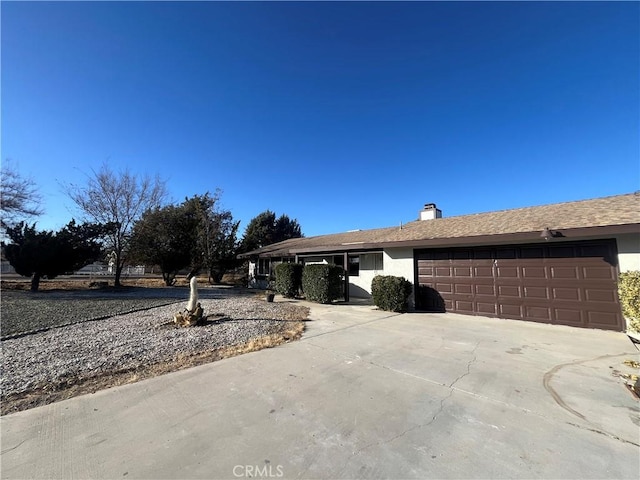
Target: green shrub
pixel 391 293
pixel 629 293
pixel 322 283
pixel 288 279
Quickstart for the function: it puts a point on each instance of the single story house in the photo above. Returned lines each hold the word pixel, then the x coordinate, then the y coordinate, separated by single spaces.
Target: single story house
pixel 554 263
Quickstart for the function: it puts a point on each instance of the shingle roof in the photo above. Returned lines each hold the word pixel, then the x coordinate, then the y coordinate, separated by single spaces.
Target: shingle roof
pixel 620 210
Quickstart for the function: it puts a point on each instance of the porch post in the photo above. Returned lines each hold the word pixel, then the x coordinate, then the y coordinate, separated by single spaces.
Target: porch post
pixel 345 261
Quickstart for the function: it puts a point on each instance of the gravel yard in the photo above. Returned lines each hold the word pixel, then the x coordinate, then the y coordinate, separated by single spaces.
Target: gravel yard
pixel 143 342
pixel 24 311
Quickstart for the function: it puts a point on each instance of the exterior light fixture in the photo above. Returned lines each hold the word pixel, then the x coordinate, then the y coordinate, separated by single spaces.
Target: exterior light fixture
pixel 548 234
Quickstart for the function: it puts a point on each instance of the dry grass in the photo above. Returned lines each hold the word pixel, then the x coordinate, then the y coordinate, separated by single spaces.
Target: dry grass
pixel 83 283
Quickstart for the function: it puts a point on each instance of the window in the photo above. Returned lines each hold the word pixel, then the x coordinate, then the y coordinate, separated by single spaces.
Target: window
pixel 376 261
pixel 264 265
pixel 354 265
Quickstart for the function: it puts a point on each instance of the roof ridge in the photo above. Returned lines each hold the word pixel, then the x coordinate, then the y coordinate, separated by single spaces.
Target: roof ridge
pixel 570 202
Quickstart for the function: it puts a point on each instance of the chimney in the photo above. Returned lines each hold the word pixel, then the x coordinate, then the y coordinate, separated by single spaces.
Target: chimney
pixel 430 212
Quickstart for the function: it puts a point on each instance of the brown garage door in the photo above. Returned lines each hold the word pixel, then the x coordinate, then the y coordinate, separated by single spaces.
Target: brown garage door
pixel 563 283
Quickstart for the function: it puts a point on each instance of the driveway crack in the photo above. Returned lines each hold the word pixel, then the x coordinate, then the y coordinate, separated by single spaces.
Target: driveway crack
pixel 606 434
pixel 469 363
pixel 12 448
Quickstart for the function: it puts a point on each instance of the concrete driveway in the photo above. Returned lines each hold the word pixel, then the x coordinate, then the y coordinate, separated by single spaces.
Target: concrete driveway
pixel 364 394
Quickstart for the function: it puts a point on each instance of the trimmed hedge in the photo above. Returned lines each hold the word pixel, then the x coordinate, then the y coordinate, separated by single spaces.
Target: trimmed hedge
pixel 322 283
pixel 391 293
pixel 629 293
pixel 288 279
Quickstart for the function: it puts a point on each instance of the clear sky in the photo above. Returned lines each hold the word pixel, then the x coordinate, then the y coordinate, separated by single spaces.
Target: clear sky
pixel 341 115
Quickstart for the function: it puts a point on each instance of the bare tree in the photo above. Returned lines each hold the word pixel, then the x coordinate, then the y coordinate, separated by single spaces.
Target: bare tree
pixel 19 197
pixel 119 198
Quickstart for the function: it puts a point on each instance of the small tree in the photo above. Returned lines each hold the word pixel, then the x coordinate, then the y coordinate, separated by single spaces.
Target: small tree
pixel 120 199
pixel 46 254
pixel 19 197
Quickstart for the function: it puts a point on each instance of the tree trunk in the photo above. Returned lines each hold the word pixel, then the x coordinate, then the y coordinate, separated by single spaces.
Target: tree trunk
pixel 116 281
pixel 35 282
pixel 169 278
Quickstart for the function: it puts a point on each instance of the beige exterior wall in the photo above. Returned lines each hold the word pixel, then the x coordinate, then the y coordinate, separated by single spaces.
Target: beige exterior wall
pixel 628 252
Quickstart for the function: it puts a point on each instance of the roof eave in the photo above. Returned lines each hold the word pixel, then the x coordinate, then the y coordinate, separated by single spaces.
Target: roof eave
pixel 518 237
pixel 479 240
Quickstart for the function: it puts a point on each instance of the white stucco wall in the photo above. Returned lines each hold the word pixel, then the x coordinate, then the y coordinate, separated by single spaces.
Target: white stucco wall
pixel 628 252
pixel 360 286
pixel 399 263
pixel 396 261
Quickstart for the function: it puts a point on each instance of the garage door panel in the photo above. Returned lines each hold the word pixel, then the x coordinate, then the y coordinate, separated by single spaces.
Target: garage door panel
pixel 597 273
pixel 512 291
pixel 606 320
pixel 536 292
pixel 599 295
pixel 567 283
pixel 486 308
pixel 566 293
pixel 510 311
pixel 425 271
pixel 568 316
pixel 463 289
pixel 463 306
pixel 534 272
pixel 483 271
pixel 537 313
pixel 564 272
pixel 462 271
pixel 507 272
pixel 443 272
pixel 485 290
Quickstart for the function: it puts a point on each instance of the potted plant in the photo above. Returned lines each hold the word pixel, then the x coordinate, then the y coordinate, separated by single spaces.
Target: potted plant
pixel 270 293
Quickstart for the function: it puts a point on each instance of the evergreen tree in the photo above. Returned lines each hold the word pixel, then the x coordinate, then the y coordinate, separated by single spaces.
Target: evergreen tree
pixel 47 254
pixel 265 229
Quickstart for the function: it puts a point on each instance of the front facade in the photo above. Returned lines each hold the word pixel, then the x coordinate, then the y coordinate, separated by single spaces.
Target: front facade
pixel 553 264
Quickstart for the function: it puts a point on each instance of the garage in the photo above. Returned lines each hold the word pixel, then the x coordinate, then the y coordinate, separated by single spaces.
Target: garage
pixel 565 283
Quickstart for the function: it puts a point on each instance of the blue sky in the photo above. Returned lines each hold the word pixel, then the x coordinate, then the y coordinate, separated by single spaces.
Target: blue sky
pixel 340 115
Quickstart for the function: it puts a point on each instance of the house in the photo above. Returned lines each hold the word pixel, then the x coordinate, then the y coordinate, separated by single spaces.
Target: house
pixel 554 263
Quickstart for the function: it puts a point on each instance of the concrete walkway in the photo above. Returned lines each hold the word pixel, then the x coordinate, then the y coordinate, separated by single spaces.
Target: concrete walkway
pixel 364 394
